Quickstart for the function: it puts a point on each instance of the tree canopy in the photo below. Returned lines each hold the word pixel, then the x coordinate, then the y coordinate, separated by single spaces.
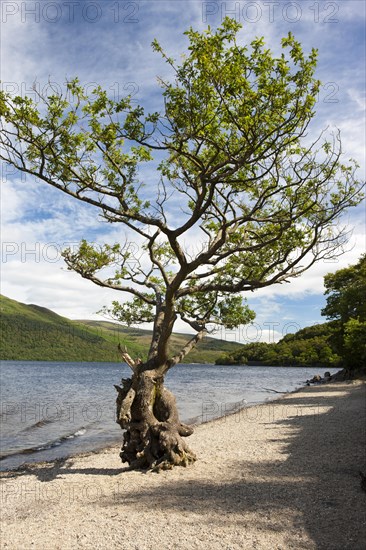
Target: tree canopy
pixel 346 291
pixel 259 202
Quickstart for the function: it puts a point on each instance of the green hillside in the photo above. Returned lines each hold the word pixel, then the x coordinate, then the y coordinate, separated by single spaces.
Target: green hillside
pixel 311 346
pixel 34 333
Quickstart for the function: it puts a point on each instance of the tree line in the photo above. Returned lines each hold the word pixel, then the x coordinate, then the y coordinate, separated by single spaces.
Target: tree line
pixel 340 342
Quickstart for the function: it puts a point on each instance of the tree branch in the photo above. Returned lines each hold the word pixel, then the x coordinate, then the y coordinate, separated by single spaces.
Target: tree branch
pixel 185 350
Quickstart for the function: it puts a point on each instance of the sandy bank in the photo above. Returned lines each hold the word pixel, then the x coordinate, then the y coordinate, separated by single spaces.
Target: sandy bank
pixel 283 475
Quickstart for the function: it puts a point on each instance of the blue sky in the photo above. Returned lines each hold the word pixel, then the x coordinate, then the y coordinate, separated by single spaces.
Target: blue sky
pixel 108 43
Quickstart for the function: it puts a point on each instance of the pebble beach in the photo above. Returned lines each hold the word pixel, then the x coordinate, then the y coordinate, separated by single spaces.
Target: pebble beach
pixel 278 476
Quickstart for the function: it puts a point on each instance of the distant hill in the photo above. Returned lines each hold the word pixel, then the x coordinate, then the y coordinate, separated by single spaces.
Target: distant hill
pixel 34 333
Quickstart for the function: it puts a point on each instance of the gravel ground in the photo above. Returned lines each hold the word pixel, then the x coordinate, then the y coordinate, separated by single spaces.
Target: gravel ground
pixel 278 476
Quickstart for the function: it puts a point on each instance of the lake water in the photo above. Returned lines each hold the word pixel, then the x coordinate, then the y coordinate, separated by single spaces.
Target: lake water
pixel 51 410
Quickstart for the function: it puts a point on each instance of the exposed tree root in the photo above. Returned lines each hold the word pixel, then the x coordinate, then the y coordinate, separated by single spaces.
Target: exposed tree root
pixel 147 412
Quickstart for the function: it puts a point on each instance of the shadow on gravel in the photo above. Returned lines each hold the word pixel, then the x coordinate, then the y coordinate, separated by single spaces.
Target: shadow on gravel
pixel 317 484
pixel 48 471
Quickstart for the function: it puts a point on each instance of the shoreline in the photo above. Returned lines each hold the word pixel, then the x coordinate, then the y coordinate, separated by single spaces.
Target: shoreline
pixel 236 409
pixel 63 440
pixel 279 475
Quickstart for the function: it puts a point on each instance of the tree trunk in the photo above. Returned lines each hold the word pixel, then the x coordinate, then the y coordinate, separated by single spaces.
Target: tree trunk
pixel 153 434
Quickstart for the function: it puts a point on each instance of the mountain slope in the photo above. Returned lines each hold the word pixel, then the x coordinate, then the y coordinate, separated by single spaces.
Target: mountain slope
pixel 34 333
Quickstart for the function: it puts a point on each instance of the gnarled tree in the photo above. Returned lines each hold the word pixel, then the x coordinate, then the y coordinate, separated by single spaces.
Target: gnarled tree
pixel 234 178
